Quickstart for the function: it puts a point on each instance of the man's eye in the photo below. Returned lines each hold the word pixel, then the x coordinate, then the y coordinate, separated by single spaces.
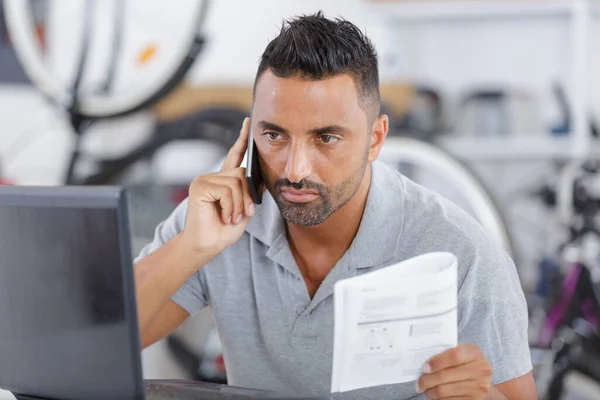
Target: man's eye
pixel 327 139
pixel 272 135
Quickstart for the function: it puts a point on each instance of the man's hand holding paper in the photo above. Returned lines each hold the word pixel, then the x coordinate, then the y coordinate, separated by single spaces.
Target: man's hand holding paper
pixel 461 372
pixel 389 322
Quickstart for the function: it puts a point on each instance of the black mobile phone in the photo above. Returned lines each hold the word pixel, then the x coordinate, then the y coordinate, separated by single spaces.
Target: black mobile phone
pixel 253 174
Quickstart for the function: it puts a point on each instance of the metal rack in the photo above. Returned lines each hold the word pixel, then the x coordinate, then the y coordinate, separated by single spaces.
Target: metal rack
pixel 575 146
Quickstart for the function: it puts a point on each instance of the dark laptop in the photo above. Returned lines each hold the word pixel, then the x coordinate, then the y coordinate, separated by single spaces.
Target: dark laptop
pixel 68 321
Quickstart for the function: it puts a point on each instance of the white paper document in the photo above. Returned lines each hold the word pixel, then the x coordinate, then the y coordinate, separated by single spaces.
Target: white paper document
pixel 389 322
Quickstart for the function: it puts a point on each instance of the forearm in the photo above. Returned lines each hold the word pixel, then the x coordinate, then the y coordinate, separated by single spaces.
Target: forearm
pixel 159 275
pixel 495 394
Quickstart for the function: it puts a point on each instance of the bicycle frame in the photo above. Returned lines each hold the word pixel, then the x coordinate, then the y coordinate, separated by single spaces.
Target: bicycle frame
pixel 577 300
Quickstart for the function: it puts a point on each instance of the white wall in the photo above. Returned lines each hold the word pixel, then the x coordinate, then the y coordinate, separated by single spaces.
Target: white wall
pixel 255 23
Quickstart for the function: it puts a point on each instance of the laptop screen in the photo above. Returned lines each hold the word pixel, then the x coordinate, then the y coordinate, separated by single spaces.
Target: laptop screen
pixel 64 332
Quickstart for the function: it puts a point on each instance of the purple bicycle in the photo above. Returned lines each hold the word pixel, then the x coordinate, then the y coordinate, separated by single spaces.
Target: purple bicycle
pixel 571 296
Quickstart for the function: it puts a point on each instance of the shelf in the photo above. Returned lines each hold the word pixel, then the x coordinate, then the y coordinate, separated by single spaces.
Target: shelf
pixel 502 149
pixel 512 148
pixel 422 11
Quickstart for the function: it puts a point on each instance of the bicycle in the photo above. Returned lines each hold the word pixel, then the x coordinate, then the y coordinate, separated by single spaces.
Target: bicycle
pixel 86 108
pixel 568 291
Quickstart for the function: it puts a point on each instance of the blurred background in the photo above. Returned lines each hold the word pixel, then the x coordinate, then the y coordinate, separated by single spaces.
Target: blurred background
pixel 493 104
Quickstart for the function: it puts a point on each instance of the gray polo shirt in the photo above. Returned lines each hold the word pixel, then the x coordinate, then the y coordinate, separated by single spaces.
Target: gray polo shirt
pixel 275 337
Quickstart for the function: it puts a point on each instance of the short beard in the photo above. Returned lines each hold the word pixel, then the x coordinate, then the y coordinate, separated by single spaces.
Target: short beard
pixel 315 213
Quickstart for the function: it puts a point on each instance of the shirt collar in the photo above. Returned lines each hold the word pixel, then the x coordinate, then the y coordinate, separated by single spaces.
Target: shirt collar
pixel 378 235
pixel 267 224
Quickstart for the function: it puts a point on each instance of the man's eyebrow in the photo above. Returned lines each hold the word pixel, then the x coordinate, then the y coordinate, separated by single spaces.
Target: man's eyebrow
pixel 330 129
pixel 317 131
pixel 272 127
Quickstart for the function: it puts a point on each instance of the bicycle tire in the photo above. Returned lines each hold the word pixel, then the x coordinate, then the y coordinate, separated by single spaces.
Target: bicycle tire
pixel 229 119
pixel 20 28
pixel 399 149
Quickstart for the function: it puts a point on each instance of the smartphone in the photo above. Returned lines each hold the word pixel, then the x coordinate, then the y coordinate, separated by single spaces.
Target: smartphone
pixel 253 174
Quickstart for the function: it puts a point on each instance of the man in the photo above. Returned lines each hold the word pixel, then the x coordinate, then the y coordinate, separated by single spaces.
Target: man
pixel 330 211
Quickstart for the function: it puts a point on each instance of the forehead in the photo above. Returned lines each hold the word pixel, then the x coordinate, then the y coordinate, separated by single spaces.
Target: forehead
pixel 326 101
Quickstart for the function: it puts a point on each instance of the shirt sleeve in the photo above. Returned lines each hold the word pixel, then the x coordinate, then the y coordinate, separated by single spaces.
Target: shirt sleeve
pixel 492 314
pixel 191 295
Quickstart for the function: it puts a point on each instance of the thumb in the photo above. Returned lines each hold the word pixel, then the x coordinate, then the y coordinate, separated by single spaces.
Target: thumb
pixel 238 150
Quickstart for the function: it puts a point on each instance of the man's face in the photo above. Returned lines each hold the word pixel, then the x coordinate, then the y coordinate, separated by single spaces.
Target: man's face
pixel 313 139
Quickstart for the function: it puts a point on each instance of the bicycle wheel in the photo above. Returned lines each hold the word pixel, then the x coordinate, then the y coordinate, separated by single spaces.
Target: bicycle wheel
pixel 171 43
pixel 433 159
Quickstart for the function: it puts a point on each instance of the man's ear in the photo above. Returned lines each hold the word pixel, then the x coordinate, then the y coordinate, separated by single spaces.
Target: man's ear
pixel 379 131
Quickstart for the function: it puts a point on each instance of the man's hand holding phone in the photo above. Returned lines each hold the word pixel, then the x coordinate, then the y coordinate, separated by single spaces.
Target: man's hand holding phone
pixel 220 204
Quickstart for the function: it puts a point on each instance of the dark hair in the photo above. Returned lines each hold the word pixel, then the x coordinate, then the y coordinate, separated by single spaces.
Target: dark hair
pixel 314 47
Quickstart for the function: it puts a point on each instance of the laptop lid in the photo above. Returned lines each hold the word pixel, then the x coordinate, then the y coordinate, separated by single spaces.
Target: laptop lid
pixel 68 322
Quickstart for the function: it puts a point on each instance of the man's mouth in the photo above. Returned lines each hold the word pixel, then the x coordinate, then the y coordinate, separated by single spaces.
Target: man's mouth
pixel 298 196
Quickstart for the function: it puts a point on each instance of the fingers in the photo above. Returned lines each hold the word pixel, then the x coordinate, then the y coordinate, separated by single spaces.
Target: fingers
pixel 230 189
pixel 244 202
pixel 453 357
pixel 249 206
pixel 237 198
pixel 457 390
pixel 211 192
pixel 236 153
pixel 226 203
pixel 428 381
pixel 472 371
pixel 459 371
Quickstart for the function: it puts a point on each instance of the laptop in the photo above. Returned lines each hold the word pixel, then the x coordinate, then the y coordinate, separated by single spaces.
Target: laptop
pixel 68 321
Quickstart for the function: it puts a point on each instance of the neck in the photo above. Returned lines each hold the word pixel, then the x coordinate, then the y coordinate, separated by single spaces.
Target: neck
pixel 337 232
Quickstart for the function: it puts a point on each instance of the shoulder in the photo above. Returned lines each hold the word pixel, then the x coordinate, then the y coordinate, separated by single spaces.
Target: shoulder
pixel 166 230
pixel 423 211
pixel 430 222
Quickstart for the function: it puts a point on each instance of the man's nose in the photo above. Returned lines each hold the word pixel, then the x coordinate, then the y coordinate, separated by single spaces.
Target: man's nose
pixel 298 165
